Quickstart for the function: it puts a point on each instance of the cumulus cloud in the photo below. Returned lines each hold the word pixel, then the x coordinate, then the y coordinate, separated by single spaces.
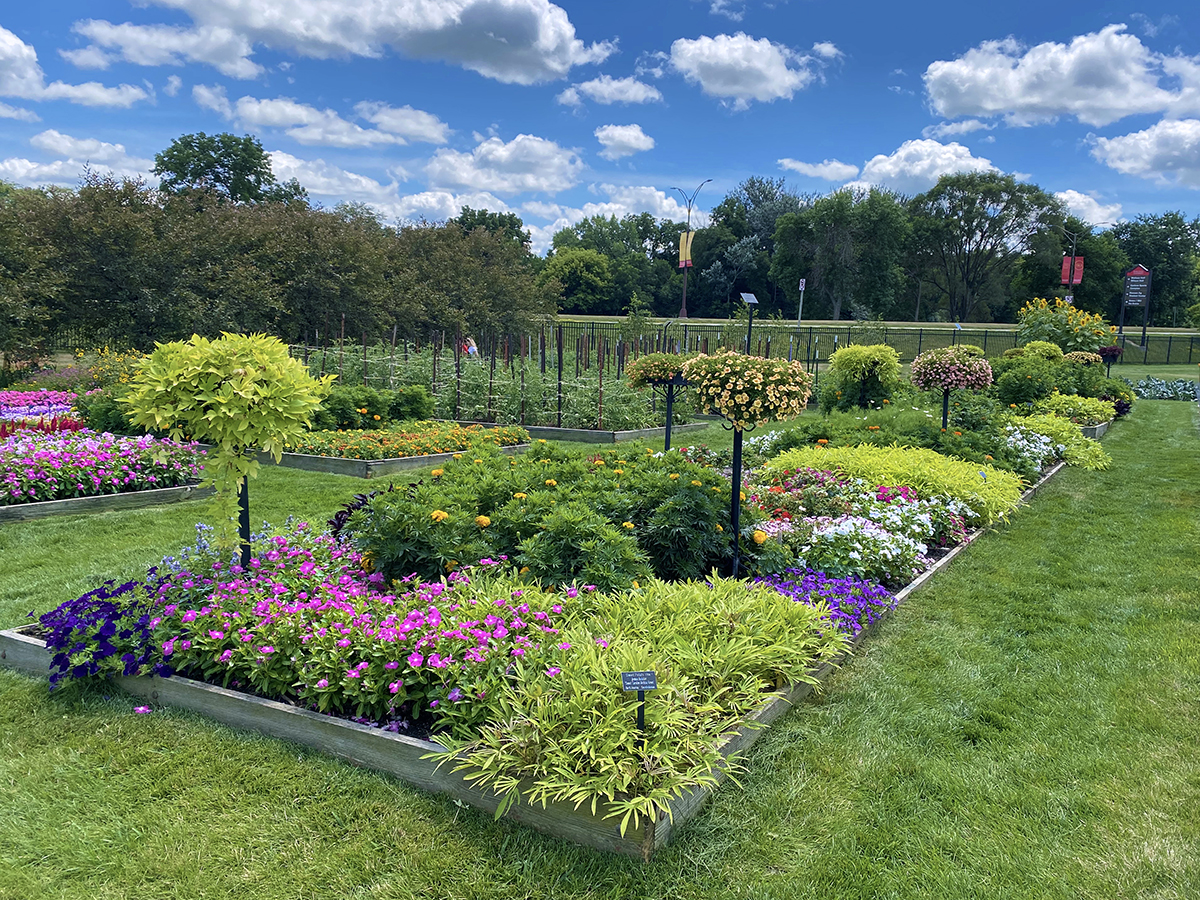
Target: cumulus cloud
pixel 21 76
pixel 608 90
pixel 1088 207
pixel 526 163
pixel 324 179
pixel 437 206
pixel 623 140
pixel 513 41
pixel 949 129
pixel 915 166
pixel 164 45
pixel 1098 78
pixel 72 155
pixel 16 112
pixel 174 83
pixel 828 170
pixel 307 124
pixel 826 50
pixel 740 69
pixel 212 97
pixel 405 122
pixel 1168 152
pixel 622 200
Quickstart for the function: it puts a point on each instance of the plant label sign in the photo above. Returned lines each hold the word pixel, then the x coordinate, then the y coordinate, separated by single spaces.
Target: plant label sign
pixel 639 681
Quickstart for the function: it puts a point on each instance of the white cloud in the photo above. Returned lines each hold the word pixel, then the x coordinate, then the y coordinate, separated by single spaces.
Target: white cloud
pixel 405 122
pixel 608 90
pixel 16 112
pixel 622 200
pixel 164 45
pixel 1098 78
pixel 324 179
pixel 513 41
pixel 915 166
pixel 437 206
pixel 307 124
pixel 73 155
pixel 1088 207
pixel 828 170
pixel 212 97
pixel 730 9
pixel 1168 152
pixel 826 50
pixel 948 129
pixel 21 76
pixel 623 140
pixel 174 83
pixel 741 69
pixel 526 163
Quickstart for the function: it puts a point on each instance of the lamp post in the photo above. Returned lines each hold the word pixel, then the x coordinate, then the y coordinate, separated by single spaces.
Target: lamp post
pixel 685 265
pixel 1074 236
pixel 751 301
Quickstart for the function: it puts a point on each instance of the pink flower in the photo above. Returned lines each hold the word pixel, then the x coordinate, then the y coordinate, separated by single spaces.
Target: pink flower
pixel 553 670
pixel 323 683
pixel 141 710
pixel 415 659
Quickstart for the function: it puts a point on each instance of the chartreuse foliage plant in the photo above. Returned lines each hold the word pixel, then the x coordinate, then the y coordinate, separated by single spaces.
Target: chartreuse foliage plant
pixel 860 376
pixel 1077 450
pixel 240 393
pixel 989 492
pixel 1062 324
pixel 561 732
pixel 1080 410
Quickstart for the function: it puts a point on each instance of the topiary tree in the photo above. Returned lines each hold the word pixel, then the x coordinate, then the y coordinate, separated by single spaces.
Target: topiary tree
pixel 240 393
pixel 948 368
pixel 860 375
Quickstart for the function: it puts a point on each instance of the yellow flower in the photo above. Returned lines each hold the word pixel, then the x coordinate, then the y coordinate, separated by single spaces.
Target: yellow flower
pixel 483 521
pixel 719 528
pixel 550 482
pixel 524 569
pixel 742 494
pixel 618 471
pixel 620 462
pixel 636 585
pixel 541 440
pixel 760 536
pixel 649 452
pixel 673 475
pixel 458 456
pixel 377 418
pixel 439 515
pixel 520 495
pixel 438 473
pixel 626 524
pixel 695 483
pixel 479 462
pixel 599 462
pixel 717 489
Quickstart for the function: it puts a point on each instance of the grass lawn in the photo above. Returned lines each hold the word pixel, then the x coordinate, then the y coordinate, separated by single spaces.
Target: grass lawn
pixel 1026 726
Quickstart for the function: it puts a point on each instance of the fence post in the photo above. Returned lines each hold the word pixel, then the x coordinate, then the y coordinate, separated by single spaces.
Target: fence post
pixel 560 373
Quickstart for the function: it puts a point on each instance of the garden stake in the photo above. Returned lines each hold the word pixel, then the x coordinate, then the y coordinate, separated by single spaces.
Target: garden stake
pixel 244 520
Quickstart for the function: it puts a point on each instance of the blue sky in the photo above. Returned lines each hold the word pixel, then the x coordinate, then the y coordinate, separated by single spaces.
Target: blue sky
pixel 559 111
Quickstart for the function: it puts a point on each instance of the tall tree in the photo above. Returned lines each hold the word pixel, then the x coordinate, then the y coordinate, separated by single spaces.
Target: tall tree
pixel 508 224
pixel 975 226
pixel 1168 245
pixel 233 168
pixel 1039 272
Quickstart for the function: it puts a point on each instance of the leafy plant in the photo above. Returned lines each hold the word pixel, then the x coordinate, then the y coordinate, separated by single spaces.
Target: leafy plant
pixel 1080 410
pixel 656 368
pixel 860 376
pixel 1062 324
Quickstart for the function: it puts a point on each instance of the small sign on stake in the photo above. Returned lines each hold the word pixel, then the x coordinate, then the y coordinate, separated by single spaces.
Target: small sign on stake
pixel 640 682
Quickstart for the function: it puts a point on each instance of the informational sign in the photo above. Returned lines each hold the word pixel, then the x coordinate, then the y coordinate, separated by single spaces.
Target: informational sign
pixel 639 681
pixel 802 280
pixel 1137 286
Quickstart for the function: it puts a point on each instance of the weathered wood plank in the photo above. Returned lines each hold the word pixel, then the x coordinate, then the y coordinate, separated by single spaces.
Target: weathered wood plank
pixel 21 512
pixel 368 468
pixel 592 436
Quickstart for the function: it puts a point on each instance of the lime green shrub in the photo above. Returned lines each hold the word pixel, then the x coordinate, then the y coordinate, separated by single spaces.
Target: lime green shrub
pixel 240 393
pixel 860 375
pixel 1078 450
pixel 564 732
pixel 990 492
pixel 1080 410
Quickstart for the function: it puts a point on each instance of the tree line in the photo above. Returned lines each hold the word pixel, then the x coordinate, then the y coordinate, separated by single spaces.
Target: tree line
pixel 220 245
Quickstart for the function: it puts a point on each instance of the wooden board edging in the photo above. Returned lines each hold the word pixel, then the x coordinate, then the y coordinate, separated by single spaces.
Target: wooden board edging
pixel 591 436
pixel 369 468
pixel 21 512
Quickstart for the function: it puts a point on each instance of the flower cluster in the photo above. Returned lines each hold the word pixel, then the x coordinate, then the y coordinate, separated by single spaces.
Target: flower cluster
pixel 36 466
pixel 1064 324
pixel 1036 449
pixel 948 368
pixel 854 604
pixel 18 405
pixel 53 425
pixel 748 390
pixel 417 439
pixel 854 545
pixel 656 368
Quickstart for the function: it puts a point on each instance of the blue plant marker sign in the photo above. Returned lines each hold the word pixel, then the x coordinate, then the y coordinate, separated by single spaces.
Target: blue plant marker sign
pixel 640 682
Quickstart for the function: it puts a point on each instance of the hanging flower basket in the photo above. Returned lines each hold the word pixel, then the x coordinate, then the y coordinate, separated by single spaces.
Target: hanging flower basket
pixel 658 370
pixel 748 390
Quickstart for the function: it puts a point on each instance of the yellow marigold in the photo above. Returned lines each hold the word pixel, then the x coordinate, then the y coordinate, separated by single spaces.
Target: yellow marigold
pixel 479 462
pixel 376 418
pixel 719 528
pixel 520 495
pixel 550 482
pixel 695 483
pixel 458 456
pixel 439 515
pixel 438 473
pixel 742 494
pixel 524 569
pixel 541 440
pixel 760 536
pixel 673 475
pixel 626 524
pixel 599 462
pixel 618 471
pixel 483 521
pixel 822 441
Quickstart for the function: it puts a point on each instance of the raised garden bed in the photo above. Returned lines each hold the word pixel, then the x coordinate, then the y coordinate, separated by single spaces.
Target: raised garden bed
pixel 21 512
pixel 1094 431
pixel 592 436
pixel 368 468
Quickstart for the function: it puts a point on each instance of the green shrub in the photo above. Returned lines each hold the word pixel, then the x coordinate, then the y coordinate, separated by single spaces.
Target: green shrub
pixel 410 402
pixel 1062 324
pixel 575 545
pixel 860 376
pixel 102 410
pixel 1080 451
pixel 1080 410
pixel 992 493
pixel 1046 350
pixel 1030 379
pixel 563 732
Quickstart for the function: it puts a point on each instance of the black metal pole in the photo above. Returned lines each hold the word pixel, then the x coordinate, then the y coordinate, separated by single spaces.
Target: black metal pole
pixel 670 415
pixel 244 520
pixel 735 505
pixel 945 408
pixel 641 722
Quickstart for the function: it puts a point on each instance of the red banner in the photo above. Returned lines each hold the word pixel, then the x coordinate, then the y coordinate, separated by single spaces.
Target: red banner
pixel 1072 275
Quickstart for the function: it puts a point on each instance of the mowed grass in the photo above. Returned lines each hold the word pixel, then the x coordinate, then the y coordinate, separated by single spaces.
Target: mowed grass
pixel 1024 727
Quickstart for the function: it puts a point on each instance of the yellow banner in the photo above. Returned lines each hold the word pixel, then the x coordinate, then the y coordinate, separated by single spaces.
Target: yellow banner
pixel 685 248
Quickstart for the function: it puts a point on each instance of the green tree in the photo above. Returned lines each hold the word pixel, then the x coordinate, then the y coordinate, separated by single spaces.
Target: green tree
pixel 1168 245
pixel 508 224
pixel 1039 272
pixel 975 227
pixel 231 167
pixel 585 277
pixel 27 281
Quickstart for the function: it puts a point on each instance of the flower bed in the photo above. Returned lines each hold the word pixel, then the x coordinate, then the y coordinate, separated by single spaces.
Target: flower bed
pixel 18 405
pixel 37 467
pixel 417 439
